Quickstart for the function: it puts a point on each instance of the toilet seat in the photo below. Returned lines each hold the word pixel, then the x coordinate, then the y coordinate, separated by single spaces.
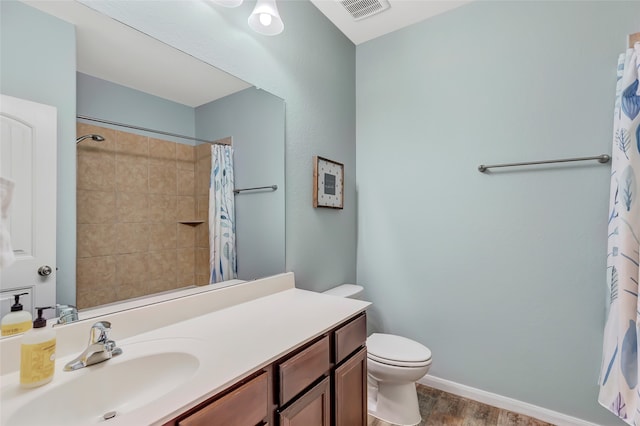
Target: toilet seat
pixel 397 350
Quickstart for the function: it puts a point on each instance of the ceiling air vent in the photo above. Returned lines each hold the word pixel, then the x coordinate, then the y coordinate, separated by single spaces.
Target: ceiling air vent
pixel 361 9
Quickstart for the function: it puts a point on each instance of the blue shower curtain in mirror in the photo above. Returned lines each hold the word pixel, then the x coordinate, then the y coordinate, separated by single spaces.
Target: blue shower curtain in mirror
pixel 222 227
pixel 619 375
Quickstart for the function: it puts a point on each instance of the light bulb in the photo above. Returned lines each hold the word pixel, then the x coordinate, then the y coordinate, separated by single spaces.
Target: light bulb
pixel 265 19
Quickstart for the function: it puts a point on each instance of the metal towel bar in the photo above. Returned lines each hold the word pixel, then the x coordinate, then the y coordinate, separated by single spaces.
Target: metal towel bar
pixel 604 158
pixel 272 187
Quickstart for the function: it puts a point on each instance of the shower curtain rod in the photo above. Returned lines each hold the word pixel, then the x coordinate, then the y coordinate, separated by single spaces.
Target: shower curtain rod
pixel 604 158
pixel 160 132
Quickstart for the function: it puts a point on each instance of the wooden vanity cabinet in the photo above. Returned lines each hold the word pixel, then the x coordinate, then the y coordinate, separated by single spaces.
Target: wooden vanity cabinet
pixel 323 383
pixel 338 364
pixel 246 404
pixel 350 373
pixel 350 391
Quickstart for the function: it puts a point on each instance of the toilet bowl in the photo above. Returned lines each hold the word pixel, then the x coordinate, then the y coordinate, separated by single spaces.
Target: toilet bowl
pixel 394 364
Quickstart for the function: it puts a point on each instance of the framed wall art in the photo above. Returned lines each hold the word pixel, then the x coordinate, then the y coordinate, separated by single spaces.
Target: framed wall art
pixel 328 183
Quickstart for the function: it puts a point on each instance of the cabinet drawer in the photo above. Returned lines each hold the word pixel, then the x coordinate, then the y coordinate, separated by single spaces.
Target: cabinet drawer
pixel 301 370
pixel 246 406
pixel 350 337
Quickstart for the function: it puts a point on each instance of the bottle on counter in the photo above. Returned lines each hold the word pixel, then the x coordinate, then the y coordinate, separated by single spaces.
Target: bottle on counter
pixel 38 353
pixel 18 320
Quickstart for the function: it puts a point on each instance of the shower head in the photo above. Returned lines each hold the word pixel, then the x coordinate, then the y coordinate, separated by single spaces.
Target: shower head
pixel 96 138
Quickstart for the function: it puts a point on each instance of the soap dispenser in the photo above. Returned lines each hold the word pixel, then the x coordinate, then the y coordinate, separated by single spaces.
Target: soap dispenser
pixel 38 353
pixel 18 320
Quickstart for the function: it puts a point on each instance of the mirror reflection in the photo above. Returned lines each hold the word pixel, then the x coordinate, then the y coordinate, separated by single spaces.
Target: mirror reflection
pixel 149 126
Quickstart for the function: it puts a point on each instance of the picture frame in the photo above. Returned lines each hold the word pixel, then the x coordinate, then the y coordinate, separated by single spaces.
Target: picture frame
pixel 328 183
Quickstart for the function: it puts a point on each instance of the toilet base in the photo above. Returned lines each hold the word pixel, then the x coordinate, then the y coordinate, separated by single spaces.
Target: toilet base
pixel 395 403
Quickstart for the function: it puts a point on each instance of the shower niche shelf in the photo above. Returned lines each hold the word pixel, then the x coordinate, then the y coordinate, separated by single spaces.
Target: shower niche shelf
pixel 191 222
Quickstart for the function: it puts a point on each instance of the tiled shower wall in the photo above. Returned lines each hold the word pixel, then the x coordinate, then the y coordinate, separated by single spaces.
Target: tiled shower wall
pixel 133 193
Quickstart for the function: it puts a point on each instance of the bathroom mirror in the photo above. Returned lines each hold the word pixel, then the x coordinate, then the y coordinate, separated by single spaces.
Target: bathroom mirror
pixel 113 242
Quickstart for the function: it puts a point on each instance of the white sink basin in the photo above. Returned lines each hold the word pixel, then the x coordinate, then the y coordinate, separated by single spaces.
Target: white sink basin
pixel 144 372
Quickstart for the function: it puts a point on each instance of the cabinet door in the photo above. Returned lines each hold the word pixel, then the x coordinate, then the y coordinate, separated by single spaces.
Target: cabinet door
pixel 245 406
pixel 350 398
pixel 312 409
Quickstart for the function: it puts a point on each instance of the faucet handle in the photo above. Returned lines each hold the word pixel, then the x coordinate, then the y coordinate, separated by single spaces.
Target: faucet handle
pixel 66 313
pixel 100 332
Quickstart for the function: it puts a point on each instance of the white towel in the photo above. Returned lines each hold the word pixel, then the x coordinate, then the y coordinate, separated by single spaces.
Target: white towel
pixel 6 194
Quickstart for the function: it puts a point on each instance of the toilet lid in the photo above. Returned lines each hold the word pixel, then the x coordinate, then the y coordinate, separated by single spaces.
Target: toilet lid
pixel 388 348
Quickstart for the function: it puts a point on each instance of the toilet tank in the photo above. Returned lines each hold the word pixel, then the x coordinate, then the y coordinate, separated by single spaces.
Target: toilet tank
pixel 350 291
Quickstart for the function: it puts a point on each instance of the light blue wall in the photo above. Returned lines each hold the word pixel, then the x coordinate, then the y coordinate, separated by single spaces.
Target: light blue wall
pixel 110 101
pixel 38 63
pixel 255 121
pixel 502 274
pixel 311 65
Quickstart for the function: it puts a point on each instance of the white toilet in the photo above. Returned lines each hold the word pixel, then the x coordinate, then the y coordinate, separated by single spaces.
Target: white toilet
pixel 394 364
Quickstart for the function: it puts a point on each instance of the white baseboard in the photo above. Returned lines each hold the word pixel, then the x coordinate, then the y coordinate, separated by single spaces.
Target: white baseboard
pixel 503 402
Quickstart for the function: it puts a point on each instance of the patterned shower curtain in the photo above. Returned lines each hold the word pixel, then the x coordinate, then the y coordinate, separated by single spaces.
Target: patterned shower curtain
pixel 222 226
pixel 619 391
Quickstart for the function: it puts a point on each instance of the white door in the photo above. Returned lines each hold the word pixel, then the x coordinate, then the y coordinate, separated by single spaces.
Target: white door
pixel 28 147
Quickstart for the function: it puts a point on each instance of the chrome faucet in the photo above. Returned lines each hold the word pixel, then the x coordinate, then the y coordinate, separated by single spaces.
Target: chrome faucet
pixel 99 349
pixel 66 314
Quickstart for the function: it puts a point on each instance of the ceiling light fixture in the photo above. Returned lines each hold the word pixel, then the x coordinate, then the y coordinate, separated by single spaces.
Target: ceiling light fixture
pixel 265 18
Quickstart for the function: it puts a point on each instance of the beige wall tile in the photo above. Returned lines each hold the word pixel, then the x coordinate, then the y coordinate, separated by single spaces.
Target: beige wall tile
pixel 185 157
pixel 132 269
pixel 162 208
pixel 162 236
pixel 163 177
pixel 186 235
pixel 96 171
pixel 96 239
pixel 186 267
pixel 132 207
pixel 163 265
pixel 202 279
pixel 186 208
pixel 162 150
pixel 160 285
pixel 163 271
pixel 89 298
pixel 202 235
pixel 203 151
pixel 96 272
pixel 203 177
pixel 202 208
pixel 96 206
pixel 128 205
pixel 131 145
pixel 202 261
pixel 186 182
pixel 128 291
pixel 132 237
pixel 132 174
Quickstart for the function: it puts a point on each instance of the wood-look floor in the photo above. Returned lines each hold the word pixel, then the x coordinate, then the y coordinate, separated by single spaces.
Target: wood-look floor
pixel 440 408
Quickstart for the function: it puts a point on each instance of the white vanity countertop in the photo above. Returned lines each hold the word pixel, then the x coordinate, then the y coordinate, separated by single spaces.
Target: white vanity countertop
pixel 238 340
